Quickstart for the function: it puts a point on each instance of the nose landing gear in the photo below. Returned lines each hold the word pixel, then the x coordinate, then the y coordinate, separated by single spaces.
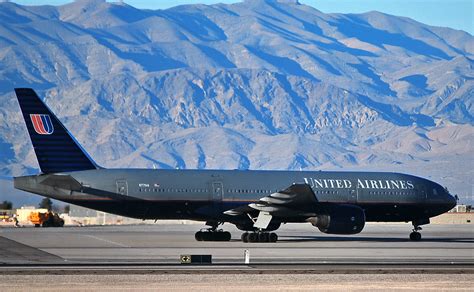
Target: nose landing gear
pixel 415 235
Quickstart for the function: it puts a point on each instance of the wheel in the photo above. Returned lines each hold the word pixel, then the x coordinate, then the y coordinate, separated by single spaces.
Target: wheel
pixel 263 237
pixel 272 237
pixel 207 236
pixel 213 236
pixel 245 237
pixel 252 237
pixel 418 236
pixel 227 236
pixel 198 236
pixel 218 236
pixel 415 236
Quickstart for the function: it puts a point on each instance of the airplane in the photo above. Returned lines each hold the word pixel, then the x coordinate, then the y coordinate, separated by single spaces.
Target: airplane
pixel 255 201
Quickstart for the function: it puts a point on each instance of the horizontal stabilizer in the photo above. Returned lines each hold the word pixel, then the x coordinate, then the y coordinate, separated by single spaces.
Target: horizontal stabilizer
pixel 62 181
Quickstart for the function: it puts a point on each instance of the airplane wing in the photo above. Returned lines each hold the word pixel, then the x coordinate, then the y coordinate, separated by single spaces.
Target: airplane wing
pixel 290 202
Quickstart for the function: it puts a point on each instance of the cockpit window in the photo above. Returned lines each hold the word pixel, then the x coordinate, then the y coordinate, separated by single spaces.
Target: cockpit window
pixel 435 192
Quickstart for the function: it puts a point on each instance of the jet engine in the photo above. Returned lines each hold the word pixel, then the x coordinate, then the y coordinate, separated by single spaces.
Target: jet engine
pixel 340 219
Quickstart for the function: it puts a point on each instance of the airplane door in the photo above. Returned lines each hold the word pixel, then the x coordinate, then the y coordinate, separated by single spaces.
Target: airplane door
pixel 352 196
pixel 122 187
pixel 217 191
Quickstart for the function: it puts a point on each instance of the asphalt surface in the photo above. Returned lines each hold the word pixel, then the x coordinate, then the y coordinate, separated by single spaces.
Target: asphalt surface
pixel 147 257
pixel 299 244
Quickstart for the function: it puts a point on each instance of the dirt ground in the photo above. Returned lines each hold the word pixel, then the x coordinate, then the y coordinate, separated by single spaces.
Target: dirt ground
pixel 240 282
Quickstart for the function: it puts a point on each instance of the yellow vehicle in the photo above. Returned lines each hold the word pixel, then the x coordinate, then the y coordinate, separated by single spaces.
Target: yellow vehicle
pixel 5 216
pixel 48 219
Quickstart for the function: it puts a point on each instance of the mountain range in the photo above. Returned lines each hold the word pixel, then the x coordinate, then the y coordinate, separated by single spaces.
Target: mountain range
pixel 259 84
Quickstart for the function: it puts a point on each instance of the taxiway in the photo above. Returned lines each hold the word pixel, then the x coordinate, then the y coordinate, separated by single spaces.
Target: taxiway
pixel 163 244
pixel 148 257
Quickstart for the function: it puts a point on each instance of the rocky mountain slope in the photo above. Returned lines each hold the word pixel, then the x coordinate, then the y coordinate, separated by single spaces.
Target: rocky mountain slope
pixel 261 84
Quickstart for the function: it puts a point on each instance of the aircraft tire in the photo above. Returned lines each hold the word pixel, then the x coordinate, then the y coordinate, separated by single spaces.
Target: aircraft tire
pixel 418 236
pixel 415 236
pixel 213 236
pixel 207 236
pixel 263 237
pixel 226 236
pixel 198 236
pixel 245 237
pixel 272 237
pixel 252 237
pixel 218 236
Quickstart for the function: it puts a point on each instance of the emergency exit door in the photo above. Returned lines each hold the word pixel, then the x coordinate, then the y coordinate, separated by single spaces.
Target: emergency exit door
pixel 217 191
pixel 122 187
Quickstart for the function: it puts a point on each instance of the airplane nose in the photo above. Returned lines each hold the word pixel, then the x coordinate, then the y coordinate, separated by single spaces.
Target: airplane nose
pixel 451 201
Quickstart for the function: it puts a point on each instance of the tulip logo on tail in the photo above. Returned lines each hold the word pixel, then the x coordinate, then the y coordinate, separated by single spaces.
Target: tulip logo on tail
pixel 42 124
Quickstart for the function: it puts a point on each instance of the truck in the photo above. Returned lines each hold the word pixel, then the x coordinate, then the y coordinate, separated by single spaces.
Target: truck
pixel 46 219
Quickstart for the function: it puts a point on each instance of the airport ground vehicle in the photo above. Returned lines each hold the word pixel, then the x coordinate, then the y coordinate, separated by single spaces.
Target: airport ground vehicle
pixel 46 219
pixel 6 215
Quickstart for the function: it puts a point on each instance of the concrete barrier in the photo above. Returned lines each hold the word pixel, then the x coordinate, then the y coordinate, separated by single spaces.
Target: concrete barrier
pixel 454 218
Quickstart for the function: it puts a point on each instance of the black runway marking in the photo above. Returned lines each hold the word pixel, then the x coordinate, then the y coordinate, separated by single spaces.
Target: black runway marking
pixel 12 252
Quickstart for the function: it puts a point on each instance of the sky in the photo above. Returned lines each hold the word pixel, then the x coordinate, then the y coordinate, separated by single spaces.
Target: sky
pixel 457 14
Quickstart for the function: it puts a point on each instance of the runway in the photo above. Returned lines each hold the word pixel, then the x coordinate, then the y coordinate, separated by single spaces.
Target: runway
pixel 302 244
pixel 148 257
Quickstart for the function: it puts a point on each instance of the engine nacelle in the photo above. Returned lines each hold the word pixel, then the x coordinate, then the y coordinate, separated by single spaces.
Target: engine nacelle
pixel 340 219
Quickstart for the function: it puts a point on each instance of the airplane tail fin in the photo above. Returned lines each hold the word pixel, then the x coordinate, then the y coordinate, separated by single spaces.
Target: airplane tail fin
pixel 55 148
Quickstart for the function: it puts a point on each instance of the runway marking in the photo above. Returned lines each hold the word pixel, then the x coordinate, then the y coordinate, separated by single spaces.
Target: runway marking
pixel 12 251
pixel 106 240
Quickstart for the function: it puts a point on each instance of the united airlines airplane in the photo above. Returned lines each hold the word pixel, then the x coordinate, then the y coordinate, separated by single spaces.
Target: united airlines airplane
pixel 257 202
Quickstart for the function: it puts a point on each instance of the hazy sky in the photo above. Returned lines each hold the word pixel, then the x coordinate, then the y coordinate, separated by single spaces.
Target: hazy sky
pixel 456 14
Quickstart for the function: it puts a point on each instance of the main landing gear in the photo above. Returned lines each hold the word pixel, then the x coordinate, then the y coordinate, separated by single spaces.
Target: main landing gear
pixel 415 235
pixel 259 237
pixel 212 233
